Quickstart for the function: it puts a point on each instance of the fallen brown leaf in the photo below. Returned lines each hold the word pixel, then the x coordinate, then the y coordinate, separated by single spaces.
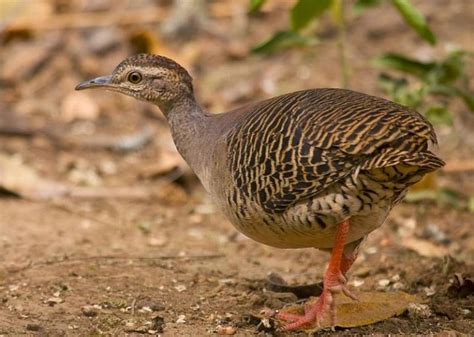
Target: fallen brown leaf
pixel 22 180
pixel 424 247
pixel 372 307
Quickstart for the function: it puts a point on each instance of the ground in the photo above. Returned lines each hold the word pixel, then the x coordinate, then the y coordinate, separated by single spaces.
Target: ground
pixel 167 261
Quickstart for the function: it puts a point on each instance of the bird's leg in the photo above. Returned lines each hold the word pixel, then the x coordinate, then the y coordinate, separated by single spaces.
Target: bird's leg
pixel 334 282
pixel 349 255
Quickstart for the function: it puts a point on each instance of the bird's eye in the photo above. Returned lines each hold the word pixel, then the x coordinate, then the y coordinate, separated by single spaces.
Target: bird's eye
pixel 135 77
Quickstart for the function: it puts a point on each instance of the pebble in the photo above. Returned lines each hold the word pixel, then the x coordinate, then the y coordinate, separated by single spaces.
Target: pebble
pixel 418 310
pixel 398 286
pixel 180 288
pixel 465 312
pixel 383 282
pixel 90 310
pixel 429 291
pixel 53 300
pixel 226 330
pixel 33 327
pixel 357 282
pixel 181 319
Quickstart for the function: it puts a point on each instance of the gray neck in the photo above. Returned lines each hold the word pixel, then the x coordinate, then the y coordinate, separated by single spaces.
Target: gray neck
pixel 191 128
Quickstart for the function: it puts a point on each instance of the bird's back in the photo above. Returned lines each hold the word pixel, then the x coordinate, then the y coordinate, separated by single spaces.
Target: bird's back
pixel 287 151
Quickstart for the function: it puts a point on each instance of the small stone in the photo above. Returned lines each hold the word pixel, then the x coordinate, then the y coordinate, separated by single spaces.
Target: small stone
pixel 158 324
pixel 418 310
pixel 383 283
pixel 429 291
pixel 226 330
pixel 145 309
pixel 33 327
pixel 13 287
pixel 90 311
pixel 371 250
pixel 398 286
pixel 227 281
pixel 53 301
pixel 180 288
pixel 357 282
pixel 181 319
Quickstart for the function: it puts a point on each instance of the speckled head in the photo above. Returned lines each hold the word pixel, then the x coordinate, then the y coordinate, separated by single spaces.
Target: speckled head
pixel 152 78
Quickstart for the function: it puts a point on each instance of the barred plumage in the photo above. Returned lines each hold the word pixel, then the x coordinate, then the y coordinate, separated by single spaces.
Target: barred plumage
pixel 316 168
pixel 296 149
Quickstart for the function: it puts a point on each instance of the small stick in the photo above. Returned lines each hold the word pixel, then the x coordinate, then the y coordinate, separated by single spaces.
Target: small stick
pixel 113 257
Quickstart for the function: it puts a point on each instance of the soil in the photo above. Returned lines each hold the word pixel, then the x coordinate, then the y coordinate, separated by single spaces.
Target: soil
pixel 171 264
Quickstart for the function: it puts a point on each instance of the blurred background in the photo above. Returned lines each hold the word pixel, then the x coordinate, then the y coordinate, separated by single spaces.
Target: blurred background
pixel 105 230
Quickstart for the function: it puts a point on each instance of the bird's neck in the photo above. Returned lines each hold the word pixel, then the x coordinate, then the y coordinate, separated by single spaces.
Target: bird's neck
pixel 190 127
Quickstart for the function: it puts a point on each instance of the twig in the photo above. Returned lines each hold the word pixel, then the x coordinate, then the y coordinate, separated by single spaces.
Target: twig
pixel 341 42
pixel 123 143
pixel 113 257
pixel 17 131
pixel 134 302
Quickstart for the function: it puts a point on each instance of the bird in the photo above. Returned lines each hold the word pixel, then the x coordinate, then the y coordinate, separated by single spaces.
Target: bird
pixel 316 168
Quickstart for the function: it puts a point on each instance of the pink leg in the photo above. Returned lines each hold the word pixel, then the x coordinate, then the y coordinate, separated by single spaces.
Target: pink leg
pixel 334 282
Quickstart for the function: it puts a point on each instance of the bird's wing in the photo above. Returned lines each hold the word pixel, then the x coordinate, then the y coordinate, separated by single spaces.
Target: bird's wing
pixel 292 147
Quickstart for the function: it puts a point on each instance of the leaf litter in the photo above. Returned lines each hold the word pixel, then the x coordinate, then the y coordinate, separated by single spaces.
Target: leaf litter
pixel 372 307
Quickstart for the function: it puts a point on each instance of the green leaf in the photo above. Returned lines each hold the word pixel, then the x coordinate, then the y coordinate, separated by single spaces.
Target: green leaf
pixel 452 68
pixel 421 195
pixel 361 5
pixel 398 90
pixel 404 64
pixel 449 197
pixel 255 5
pixel 306 10
pixel 439 115
pixel 414 19
pixel 449 90
pixel 468 98
pixel 283 40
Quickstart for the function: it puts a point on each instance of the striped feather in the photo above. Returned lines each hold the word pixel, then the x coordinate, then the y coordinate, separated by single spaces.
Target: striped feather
pixel 294 147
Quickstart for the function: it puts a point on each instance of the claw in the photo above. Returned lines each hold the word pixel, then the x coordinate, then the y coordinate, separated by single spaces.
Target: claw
pixel 334 282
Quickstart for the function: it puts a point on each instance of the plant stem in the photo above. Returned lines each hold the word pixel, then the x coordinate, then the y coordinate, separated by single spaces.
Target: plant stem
pixel 341 42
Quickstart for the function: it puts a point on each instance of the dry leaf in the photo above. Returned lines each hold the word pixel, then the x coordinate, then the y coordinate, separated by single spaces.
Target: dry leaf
pixel 428 182
pixel 372 307
pixel 22 180
pixel 164 164
pixel 424 247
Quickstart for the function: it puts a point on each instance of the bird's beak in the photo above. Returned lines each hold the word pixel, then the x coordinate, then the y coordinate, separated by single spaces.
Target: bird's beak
pixel 98 82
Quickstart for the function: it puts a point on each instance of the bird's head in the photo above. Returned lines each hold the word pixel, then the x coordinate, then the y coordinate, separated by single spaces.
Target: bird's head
pixel 152 78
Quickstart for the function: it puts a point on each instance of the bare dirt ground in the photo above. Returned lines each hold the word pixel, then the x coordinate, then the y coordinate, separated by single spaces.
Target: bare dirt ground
pixel 170 263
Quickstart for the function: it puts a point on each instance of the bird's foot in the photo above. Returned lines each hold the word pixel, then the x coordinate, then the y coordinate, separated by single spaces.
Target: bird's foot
pixel 315 312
